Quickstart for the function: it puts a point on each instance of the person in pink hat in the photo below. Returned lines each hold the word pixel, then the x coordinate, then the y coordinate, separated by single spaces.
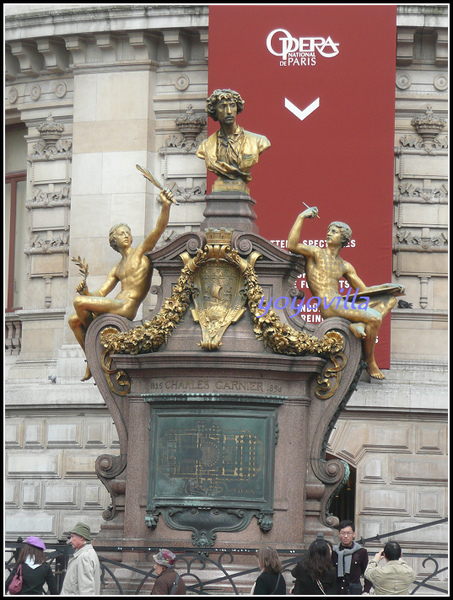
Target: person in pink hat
pixel 168 581
pixel 35 572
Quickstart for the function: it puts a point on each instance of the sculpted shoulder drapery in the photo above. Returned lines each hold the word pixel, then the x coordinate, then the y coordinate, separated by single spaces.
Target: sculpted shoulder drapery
pixel 231 152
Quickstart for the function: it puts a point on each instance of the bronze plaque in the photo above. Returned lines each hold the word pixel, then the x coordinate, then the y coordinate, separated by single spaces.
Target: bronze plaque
pixel 212 458
pixel 211 453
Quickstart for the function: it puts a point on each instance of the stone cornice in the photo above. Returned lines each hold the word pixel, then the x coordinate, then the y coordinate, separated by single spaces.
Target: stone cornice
pixel 414 314
pixel 422 9
pixel 60 22
pixel 41 314
pixel 61 41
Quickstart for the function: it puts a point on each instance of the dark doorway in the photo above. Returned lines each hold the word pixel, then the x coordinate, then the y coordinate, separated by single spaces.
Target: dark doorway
pixel 342 504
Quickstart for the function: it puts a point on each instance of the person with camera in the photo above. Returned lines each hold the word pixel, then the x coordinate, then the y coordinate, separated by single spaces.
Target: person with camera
pixel 393 577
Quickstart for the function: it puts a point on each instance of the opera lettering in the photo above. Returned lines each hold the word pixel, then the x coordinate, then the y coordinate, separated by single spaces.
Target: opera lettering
pixel 300 51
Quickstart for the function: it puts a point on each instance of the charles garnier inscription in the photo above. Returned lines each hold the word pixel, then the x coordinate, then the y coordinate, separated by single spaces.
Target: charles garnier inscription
pixel 214 385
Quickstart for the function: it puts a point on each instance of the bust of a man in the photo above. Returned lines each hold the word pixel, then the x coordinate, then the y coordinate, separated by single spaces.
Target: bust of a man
pixel 231 152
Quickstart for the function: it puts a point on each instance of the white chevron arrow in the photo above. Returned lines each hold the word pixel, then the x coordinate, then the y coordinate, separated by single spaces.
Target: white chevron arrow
pixel 301 114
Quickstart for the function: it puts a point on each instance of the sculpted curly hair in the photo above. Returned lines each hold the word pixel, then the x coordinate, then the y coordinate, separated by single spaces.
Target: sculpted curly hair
pixel 112 240
pixel 346 233
pixel 217 95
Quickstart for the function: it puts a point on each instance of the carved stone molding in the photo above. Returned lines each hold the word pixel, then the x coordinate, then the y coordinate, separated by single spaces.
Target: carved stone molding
pixel 416 194
pixel 424 242
pixel 51 146
pixel 108 468
pixel 49 205
pixel 180 166
pixel 50 199
pixel 428 127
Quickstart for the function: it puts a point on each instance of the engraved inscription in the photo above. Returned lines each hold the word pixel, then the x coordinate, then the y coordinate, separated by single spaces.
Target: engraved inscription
pixel 215 385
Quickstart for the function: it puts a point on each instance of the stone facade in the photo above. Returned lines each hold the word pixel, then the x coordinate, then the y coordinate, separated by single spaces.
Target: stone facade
pixel 98 90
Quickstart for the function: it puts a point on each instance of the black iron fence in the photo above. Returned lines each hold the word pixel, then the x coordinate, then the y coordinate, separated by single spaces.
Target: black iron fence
pixel 213 572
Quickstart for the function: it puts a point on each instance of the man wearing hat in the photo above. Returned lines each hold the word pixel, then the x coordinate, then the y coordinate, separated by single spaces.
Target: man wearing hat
pixel 83 576
pixel 167 581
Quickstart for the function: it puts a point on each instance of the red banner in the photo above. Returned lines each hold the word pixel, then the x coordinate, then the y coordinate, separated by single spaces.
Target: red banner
pixel 319 82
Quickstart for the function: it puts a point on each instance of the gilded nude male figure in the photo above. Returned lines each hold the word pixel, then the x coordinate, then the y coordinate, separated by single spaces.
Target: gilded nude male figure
pixel 324 269
pixel 231 152
pixel 134 272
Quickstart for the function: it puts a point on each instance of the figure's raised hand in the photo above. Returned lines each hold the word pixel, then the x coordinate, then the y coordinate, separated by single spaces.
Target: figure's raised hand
pixel 167 197
pixel 310 213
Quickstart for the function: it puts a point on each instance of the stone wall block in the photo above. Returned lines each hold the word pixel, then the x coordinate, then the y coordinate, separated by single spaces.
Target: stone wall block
pixel 27 523
pixel 373 470
pixel 31 494
pixel 386 501
pixel 412 470
pixel 94 496
pixel 14 435
pixel 64 495
pixel 79 464
pixel 431 439
pixel 370 526
pixel 69 520
pixel 34 434
pixel 35 465
pixel 435 536
pixel 429 502
pixel 95 434
pixel 12 494
pixel 358 438
pixel 64 435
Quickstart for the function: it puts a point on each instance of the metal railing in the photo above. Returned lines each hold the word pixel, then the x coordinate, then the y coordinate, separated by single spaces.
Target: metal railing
pixel 208 572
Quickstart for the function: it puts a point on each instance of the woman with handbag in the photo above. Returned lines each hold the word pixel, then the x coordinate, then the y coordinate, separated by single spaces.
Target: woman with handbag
pixel 32 570
pixel 314 574
pixel 271 581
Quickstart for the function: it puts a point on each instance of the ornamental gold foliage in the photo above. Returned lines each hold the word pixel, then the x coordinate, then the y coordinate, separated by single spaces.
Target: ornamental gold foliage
pixel 283 339
pixel 152 334
pixel 280 338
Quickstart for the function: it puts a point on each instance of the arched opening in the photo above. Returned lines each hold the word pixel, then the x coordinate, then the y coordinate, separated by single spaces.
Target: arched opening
pixel 342 505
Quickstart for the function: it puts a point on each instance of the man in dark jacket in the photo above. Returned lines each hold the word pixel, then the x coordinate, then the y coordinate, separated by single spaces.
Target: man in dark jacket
pixel 167 581
pixel 351 560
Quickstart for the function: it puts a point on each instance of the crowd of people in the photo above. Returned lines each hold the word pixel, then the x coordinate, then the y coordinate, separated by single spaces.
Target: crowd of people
pixel 326 569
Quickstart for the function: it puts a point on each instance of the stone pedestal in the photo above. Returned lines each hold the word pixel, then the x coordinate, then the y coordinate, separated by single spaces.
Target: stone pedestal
pixel 230 210
pixel 222 444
